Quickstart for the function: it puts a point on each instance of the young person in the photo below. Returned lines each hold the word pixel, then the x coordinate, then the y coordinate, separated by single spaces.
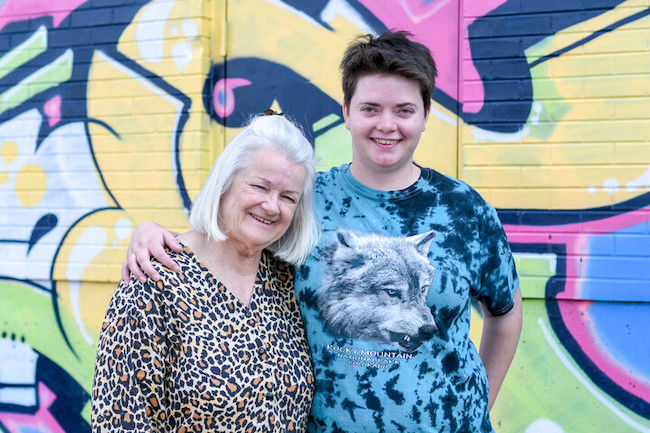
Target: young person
pixel 386 294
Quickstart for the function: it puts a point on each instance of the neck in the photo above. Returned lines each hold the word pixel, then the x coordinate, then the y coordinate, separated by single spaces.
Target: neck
pixel 236 269
pixel 386 180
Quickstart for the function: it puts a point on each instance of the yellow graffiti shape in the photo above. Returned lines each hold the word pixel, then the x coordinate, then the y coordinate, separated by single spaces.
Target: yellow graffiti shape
pixel 31 182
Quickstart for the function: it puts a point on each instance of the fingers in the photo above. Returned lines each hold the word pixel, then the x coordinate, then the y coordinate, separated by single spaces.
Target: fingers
pixel 170 240
pixel 132 264
pixel 144 263
pixel 147 240
pixel 161 255
pixel 126 277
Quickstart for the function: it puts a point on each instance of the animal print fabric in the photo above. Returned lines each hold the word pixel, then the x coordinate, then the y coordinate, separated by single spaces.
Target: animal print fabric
pixel 185 355
pixel 386 298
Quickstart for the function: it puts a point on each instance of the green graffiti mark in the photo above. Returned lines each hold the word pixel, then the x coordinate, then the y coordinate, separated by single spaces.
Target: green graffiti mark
pixel 45 78
pixel 23 53
pixel 334 147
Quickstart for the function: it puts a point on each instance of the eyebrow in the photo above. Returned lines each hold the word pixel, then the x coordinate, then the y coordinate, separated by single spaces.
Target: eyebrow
pixel 262 179
pixel 400 105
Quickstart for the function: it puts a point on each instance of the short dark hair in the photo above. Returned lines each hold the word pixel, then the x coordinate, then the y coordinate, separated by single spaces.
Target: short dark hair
pixel 391 53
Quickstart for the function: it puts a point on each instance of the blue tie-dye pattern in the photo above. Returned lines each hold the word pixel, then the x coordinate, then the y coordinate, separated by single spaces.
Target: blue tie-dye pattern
pixel 441 387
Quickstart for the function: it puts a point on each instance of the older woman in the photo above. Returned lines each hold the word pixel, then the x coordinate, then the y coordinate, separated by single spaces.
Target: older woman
pixel 220 346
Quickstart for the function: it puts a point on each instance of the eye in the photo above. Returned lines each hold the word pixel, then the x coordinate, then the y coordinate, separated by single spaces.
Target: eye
pixel 392 293
pixel 259 187
pixel 290 199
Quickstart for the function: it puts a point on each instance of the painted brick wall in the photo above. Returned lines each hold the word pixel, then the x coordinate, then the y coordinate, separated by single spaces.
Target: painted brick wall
pixel 112 111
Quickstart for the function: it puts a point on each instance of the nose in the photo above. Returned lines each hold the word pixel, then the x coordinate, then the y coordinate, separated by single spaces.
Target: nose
pixel 387 122
pixel 270 205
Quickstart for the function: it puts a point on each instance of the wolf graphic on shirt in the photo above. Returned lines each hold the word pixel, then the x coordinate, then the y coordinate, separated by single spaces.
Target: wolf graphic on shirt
pixel 375 287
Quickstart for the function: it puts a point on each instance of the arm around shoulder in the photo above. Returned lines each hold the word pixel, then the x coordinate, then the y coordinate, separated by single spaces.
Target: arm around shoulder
pixel 149 240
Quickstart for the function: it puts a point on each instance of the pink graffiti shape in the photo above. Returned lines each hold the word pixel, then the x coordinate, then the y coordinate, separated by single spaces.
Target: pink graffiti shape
pixel 42 421
pixel 436 24
pixel 22 10
pixel 576 315
pixel 53 110
pixel 223 98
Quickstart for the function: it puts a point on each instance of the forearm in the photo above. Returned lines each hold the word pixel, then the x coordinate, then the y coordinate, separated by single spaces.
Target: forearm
pixel 498 344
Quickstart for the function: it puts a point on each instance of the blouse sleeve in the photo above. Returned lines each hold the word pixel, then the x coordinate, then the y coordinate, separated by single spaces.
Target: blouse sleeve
pixel 128 386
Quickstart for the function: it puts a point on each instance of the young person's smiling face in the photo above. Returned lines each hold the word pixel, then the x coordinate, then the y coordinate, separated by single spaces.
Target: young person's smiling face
pixel 386 118
pixel 259 206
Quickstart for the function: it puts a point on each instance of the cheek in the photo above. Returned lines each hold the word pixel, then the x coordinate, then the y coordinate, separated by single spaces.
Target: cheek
pixel 287 213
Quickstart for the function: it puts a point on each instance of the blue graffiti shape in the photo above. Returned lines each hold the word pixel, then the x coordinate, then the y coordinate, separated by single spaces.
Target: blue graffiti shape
pixel 266 82
pixel 498 42
pixel 42 227
pixel 620 317
pixel 71 397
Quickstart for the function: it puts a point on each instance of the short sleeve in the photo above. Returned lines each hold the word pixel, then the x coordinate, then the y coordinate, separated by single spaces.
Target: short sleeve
pixel 128 385
pixel 498 276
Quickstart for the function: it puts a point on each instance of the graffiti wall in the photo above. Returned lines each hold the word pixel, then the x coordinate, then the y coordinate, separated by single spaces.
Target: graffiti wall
pixel 112 111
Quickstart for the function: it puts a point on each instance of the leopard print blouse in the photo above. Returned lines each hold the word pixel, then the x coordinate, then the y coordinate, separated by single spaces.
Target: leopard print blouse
pixel 185 355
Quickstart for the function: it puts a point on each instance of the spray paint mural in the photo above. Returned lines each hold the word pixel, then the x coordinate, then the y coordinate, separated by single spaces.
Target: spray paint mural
pixel 112 111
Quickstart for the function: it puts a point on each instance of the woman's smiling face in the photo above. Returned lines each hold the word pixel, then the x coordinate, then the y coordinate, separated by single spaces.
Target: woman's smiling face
pixel 259 206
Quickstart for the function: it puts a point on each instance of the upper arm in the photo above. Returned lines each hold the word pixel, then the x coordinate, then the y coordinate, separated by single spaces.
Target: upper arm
pixel 128 385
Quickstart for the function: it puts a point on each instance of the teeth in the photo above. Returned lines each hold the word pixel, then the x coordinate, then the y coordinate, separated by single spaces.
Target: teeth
pixel 385 141
pixel 261 219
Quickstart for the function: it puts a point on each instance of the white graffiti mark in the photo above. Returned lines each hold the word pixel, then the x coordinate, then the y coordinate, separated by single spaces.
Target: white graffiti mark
pixel 150 29
pixel 17 373
pixel 182 51
pixel 500 137
pixel 123 229
pixel 343 8
pixel 642 181
pixel 544 426
pixel 58 181
pixel 610 185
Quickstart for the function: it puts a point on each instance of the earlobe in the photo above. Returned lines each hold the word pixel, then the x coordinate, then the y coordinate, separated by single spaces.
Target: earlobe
pixel 346 115
pixel 426 119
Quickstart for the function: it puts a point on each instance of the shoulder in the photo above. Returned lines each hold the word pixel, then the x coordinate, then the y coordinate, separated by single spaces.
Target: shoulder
pixel 329 176
pixel 445 181
pixel 134 292
pixel 278 270
pixel 449 185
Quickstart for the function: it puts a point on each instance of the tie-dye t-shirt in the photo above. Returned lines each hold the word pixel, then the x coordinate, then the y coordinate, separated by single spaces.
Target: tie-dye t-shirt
pixel 386 298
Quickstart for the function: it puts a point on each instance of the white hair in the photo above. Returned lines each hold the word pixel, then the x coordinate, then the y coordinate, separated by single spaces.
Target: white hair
pixel 263 132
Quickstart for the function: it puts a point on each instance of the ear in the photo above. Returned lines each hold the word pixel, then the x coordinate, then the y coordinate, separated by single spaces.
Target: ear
pixel 347 238
pixel 426 119
pixel 346 115
pixel 423 241
pixel 342 240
